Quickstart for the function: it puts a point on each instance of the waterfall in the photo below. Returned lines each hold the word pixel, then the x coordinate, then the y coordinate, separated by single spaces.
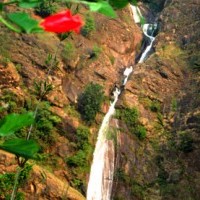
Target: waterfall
pixel 146 29
pixel 102 169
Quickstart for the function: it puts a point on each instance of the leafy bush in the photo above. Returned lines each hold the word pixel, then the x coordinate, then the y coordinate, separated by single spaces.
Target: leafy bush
pixel 89 102
pixel 45 125
pixel 68 51
pixel 96 50
pixel 7 180
pixel 120 175
pixel 10 102
pixel 82 134
pixel 89 25
pixel 131 118
pixel 5 42
pixel 186 142
pixel 155 106
pixel 80 158
pixel 140 132
pixel 138 190
pixel 46 8
pixel 42 88
pixel 6 183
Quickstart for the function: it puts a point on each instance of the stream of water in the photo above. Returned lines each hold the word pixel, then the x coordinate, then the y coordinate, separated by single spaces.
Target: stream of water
pixel 102 169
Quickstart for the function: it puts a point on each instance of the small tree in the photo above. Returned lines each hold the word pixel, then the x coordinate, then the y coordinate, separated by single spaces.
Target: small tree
pixel 89 102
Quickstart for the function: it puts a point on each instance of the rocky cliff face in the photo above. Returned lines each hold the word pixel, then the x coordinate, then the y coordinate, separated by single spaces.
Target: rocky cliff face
pixel 30 61
pixel 164 89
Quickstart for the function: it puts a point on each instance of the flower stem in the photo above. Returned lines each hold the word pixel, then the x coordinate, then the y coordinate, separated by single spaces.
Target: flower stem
pixel 15 187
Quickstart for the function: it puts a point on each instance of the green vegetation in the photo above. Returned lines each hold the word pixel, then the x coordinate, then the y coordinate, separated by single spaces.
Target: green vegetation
pixel 136 189
pixel 42 89
pixel 155 106
pixel 80 161
pixel 89 102
pixel 5 42
pixel 84 149
pixel 140 132
pixel 89 26
pixel 44 129
pixel 71 111
pixel 112 60
pixel 174 105
pixel 155 5
pixel 7 180
pixel 45 126
pixel 51 62
pixel 69 51
pixel 96 50
pixel 9 102
pixel 131 118
pixel 46 8
pixel 185 142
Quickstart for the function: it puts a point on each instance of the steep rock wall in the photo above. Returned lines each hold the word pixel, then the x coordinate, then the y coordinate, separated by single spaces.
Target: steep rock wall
pixel 165 164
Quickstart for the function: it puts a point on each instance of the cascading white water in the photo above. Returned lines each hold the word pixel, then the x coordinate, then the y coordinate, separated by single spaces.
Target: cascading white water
pixel 137 15
pixel 95 189
pixel 145 29
pixel 100 182
pixel 102 169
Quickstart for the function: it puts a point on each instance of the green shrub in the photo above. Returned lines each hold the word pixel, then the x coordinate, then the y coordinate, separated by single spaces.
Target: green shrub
pixel 174 105
pixel 89 102
pixel 81 157
pixel 137 190
pixel 140 132
pixel 46 8
pixel 82 134
pixel 120 175
pixel 186 142
pixel 6 184
pixel 45 121
pixel 89 25
pixel 112 60
pixel 7 180
pixel 5 41
pixel 131 118
pixel 44 128
pixel 68 51
pixel 77 160
pixel 96 51
pixel 10 101
pixel 42 89
pixel 163 175
pixel 155 106
pixel 25 174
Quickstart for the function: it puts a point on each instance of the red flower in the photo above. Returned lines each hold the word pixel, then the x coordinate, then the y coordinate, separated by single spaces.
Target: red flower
pixel 62 22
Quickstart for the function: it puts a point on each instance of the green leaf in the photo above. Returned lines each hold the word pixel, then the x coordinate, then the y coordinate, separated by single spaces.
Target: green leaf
pixel 25 22
pixel 134 2
pixel 1 6
pixel 102 7
pixel 29 3
pixel 118 3
pixel 21 147
pixel 14 122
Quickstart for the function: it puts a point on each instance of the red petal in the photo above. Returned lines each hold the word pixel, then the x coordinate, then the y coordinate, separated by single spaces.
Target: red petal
pixel 62 22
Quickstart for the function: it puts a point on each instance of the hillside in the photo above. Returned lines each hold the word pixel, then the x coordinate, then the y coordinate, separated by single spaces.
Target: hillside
pixel 162 96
